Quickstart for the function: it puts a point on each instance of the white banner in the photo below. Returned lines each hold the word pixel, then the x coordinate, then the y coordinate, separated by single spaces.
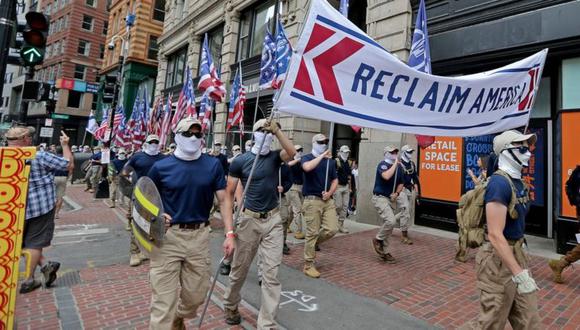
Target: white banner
pixel 340 74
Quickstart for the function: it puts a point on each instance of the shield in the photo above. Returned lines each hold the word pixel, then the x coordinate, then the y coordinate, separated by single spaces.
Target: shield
pixel 126 182
pixel 148 224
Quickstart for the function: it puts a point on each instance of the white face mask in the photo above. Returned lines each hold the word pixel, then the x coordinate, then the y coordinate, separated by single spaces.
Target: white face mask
pixel 260 137
pixel 298 155
pixel 248 147
pixel 122 157
pixel 151 149
pixel 390 158
pixel 188 148
pixel 407 156
pixel 343 155
pixel 217 149
pixel 318 149
pixel 513 162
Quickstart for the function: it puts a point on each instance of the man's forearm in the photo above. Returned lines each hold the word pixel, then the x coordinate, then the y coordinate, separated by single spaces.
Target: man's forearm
pixel 286 145
pixel 226 211
pixel 312 164
pixel 505 252
pixel 333 187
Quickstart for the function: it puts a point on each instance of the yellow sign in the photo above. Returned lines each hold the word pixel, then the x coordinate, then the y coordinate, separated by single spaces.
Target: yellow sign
pixel 13 190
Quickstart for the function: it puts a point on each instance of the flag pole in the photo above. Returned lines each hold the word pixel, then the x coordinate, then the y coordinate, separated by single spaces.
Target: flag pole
pixel 241 124
pixel 331 136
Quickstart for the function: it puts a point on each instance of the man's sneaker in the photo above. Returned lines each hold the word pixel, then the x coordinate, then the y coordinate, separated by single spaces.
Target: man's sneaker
pixel 143 256
pixel 311 271
pixel 178 323
pixel 135 260
pixel 49 271
pixel 232 316
pixel 29 286
pixel 286 249
pixel 378 245
pixel 388 258
pixel 299 235
pixel 343 230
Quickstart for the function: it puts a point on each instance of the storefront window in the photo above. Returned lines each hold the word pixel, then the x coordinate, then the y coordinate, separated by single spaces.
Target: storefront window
pixel 542 106
pixel 570 83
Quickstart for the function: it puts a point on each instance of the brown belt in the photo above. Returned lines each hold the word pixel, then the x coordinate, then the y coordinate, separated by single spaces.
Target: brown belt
pixel 261 215
pixel 191 226
pixel 313 198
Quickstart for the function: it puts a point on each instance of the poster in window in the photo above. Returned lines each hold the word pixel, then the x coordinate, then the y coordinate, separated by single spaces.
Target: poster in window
pixel 570 156
pixel 474 148
pixel 440 169
pixel 533 175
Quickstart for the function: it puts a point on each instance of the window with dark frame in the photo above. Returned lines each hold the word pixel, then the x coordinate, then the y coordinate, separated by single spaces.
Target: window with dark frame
pixel 253 25
pixel 215 39
pixel 175 68
pixel 105 27
pixel 153 48
pixel 79 72
pixel 91 3
pixel 87 23
pixel 101 51
pixel 159 10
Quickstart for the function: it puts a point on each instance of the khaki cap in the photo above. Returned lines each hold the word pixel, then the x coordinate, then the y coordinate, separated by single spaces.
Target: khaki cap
pixel 185 124
pixel 506 138
pixel 17 132
pixel 390 148
pixel 344 148
pixel 407 148
pixel 319 137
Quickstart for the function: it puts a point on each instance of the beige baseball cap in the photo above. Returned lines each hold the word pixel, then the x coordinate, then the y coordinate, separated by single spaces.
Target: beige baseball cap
pixel 152 137
pixel 344 148
pixel 319 138
pixel 506 138
pixel 407 148
pixel 390 148
pixel 185 124
pixel 298 147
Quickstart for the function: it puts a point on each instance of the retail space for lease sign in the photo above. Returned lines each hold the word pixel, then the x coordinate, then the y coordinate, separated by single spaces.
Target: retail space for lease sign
pixel 440 169
pixel 570 156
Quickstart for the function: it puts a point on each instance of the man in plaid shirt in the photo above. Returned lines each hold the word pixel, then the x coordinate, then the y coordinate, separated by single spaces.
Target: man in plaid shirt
pixel 41 199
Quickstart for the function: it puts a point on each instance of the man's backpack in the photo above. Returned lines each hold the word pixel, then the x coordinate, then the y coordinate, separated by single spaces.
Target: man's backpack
pixel 471 212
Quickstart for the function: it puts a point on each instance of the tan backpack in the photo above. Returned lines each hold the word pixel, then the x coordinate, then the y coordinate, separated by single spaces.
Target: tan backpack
pixel 471 212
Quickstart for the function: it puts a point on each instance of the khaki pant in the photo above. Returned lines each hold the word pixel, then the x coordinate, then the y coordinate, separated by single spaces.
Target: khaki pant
pixel 295 199
pixel 267 236
pixel 113 188
pixel 321 224
pixel 405 208
pixel 92 177
pixel 285 215
pixel 341 199
pixel 385 209
pixel 498 296
pixel 133 247
pixel 183 261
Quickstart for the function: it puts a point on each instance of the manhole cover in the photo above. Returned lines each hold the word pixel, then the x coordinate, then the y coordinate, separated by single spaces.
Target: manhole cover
pixel 68 279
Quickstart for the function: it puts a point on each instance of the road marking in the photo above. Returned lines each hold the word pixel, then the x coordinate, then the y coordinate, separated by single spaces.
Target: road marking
pixel 301 299
pixel 81 232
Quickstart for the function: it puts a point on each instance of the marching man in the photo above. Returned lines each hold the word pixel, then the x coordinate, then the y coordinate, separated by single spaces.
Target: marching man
pixel 295 194
pixel 406 199
pixel 342 193
pixel 187 182
pixel 319 210
pixel 260 225
pixel 385 194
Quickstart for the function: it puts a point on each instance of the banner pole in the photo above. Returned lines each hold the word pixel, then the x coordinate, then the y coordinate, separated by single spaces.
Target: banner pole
pixel 331 136
pixel 398 156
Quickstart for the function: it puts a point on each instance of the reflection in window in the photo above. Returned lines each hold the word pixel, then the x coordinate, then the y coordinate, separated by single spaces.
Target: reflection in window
pixel 253 25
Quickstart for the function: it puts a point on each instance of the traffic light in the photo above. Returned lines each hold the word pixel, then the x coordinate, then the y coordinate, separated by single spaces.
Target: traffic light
pixel 35 35
pixel 109 89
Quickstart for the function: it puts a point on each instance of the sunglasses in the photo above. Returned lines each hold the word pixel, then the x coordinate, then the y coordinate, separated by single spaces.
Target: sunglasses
pixel 522 149
pixel 322 142
pixel 299 150
pixel 153 142
pixel 188 134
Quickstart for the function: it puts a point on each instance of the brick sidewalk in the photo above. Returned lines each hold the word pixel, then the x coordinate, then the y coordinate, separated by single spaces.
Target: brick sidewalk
pixel 427 283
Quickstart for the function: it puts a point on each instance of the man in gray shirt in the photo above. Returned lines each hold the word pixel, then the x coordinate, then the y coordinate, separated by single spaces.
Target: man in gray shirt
pixel 259 225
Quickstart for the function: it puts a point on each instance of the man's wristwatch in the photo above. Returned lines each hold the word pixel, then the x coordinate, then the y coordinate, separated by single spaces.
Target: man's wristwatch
pixel 231 234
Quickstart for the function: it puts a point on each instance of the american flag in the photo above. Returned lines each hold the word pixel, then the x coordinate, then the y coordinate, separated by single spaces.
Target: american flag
pixel 186 101
pixel 166 123
pixel 100 132
pixel 283 54
pixel 237 100
pixel 156 117
pixel 268 61
pixel 139 128
pixel 205 112
pixel 209 81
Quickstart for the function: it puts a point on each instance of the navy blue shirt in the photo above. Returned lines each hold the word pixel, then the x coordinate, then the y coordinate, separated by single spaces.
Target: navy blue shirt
pixel 142 162
pixel 262 194
pixel 385 187
pixel 343 171
pixel 187 188
pixel 297 173
pixel 286 177
pixel 499 190
pixel 315 179
pixel 223 159
pixel 118 165
pixel 97 156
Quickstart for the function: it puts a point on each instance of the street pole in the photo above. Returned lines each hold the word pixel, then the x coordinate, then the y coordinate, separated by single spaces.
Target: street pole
pixel 24 104
pixel 118 94
pixel 7 21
